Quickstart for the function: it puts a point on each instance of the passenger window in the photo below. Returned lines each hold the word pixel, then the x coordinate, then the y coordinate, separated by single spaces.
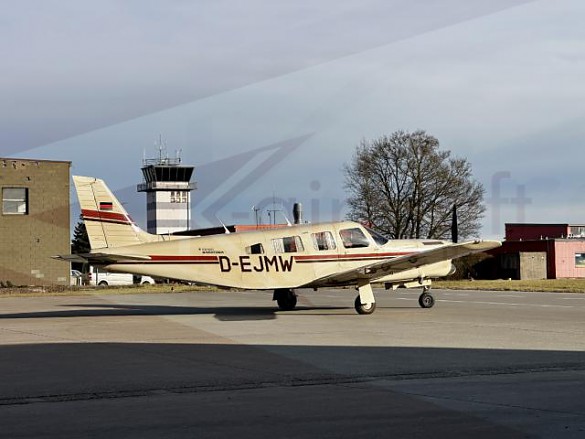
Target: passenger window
pixel 354 238
pixel 323 241
pixel 290 244
pixel 255 249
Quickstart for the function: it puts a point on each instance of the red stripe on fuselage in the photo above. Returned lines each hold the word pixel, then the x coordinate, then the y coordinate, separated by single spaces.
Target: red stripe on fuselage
pixel 182 258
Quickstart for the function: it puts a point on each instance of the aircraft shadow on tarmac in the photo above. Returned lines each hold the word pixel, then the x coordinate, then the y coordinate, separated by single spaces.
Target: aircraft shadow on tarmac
pixel 220 313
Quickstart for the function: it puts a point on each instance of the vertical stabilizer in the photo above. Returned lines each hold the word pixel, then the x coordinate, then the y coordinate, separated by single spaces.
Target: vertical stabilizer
pixel 107 222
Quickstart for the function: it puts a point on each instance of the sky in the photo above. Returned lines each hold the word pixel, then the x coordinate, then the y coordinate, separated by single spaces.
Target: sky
pixel 268 100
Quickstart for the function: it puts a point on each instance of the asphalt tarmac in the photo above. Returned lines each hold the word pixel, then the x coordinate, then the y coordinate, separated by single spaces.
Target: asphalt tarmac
pixel 228 364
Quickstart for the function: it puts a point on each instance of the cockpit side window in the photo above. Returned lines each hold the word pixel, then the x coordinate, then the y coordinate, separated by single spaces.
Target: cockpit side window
pixel 255 249
pixel 377 237
pixel 354 238
pixel 323 241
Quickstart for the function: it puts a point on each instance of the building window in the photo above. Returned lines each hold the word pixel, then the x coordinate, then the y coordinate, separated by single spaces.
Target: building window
pixel 580 260
pixel 15 201
pixel 178 197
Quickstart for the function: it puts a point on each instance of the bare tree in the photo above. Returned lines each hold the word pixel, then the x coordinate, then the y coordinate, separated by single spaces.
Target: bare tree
pixel 406 187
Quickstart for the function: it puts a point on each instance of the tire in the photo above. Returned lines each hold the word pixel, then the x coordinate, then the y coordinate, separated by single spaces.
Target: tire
pixel 103 284
pixel 425 300
pixel 286 299
pixel 364 309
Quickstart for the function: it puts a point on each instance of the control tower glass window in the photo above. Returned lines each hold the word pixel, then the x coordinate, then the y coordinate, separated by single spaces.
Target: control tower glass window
pixel 178 197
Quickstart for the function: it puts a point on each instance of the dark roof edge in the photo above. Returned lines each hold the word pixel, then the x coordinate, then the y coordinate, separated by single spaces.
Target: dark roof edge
pixel 15 159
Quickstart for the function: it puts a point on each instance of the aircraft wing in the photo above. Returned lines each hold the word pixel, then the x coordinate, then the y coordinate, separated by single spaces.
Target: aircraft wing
pixel 380 269
pixel 101 258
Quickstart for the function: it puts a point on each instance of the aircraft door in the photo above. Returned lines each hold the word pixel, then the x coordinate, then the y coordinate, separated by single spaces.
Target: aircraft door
pixel 325 253
pixel 356 247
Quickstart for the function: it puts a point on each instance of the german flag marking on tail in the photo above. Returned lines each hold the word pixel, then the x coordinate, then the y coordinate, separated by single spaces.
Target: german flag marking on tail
pixel 106 205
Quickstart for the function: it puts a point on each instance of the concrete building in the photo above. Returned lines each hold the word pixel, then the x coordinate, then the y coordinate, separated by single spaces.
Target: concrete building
pixel 541 251
pixel 168 194
pixel 35 223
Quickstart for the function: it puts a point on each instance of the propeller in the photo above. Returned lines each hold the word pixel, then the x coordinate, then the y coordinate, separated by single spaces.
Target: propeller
pixel 454 225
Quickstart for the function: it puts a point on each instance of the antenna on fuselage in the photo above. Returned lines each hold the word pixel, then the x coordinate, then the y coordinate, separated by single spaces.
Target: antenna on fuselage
pixel 287 221
pixel 224 226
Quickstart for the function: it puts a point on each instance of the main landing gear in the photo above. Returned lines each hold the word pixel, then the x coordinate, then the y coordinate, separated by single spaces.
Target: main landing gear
pixel 426 300
pixel 286 299
pixel 364 303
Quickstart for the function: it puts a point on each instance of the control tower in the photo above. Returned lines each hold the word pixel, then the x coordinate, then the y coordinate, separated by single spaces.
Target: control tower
pixel 168 194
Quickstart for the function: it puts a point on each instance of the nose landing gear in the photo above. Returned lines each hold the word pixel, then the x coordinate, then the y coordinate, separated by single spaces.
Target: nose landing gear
pixel 365 303
pixel 367 308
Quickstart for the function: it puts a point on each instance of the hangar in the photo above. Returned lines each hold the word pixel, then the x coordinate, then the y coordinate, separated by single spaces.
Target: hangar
pixel 540 251
pixel 35 221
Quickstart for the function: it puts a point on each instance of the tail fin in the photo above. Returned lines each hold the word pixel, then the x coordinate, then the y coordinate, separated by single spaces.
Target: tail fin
pixel 107 222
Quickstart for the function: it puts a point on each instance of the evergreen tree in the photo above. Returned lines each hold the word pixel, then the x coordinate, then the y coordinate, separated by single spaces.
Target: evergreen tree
pixel 80 243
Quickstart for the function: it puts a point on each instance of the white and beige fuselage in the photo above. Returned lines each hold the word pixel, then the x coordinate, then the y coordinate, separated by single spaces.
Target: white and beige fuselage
pixel 259 260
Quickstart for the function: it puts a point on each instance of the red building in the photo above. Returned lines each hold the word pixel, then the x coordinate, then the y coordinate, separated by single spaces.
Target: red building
pixel 523 232
pixel 541 251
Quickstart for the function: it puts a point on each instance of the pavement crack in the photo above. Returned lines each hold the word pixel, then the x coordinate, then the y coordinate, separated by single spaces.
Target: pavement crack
pixel 284 382
pixel 488 403
pixel 44 336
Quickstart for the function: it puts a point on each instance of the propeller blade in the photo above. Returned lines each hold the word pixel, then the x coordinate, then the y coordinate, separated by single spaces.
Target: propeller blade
pixel 454 225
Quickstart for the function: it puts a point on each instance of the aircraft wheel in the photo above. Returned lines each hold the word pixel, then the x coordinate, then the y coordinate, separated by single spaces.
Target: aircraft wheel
pixel 425 300
pixel 364 309
pixel 286 299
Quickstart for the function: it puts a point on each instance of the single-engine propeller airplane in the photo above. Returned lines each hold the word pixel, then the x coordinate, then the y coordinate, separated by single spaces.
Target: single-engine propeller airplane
pixel 281 259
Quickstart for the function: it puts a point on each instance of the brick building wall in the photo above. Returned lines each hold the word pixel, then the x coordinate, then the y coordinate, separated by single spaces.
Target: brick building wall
pixel 565 258
pixel 567 263
pixel 34 229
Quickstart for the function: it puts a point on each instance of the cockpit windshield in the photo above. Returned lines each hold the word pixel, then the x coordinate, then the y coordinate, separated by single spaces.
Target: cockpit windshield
pixel 377 236
pixel 354 238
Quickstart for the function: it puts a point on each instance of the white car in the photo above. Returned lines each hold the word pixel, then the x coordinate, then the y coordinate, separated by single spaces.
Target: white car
pixel 102 278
